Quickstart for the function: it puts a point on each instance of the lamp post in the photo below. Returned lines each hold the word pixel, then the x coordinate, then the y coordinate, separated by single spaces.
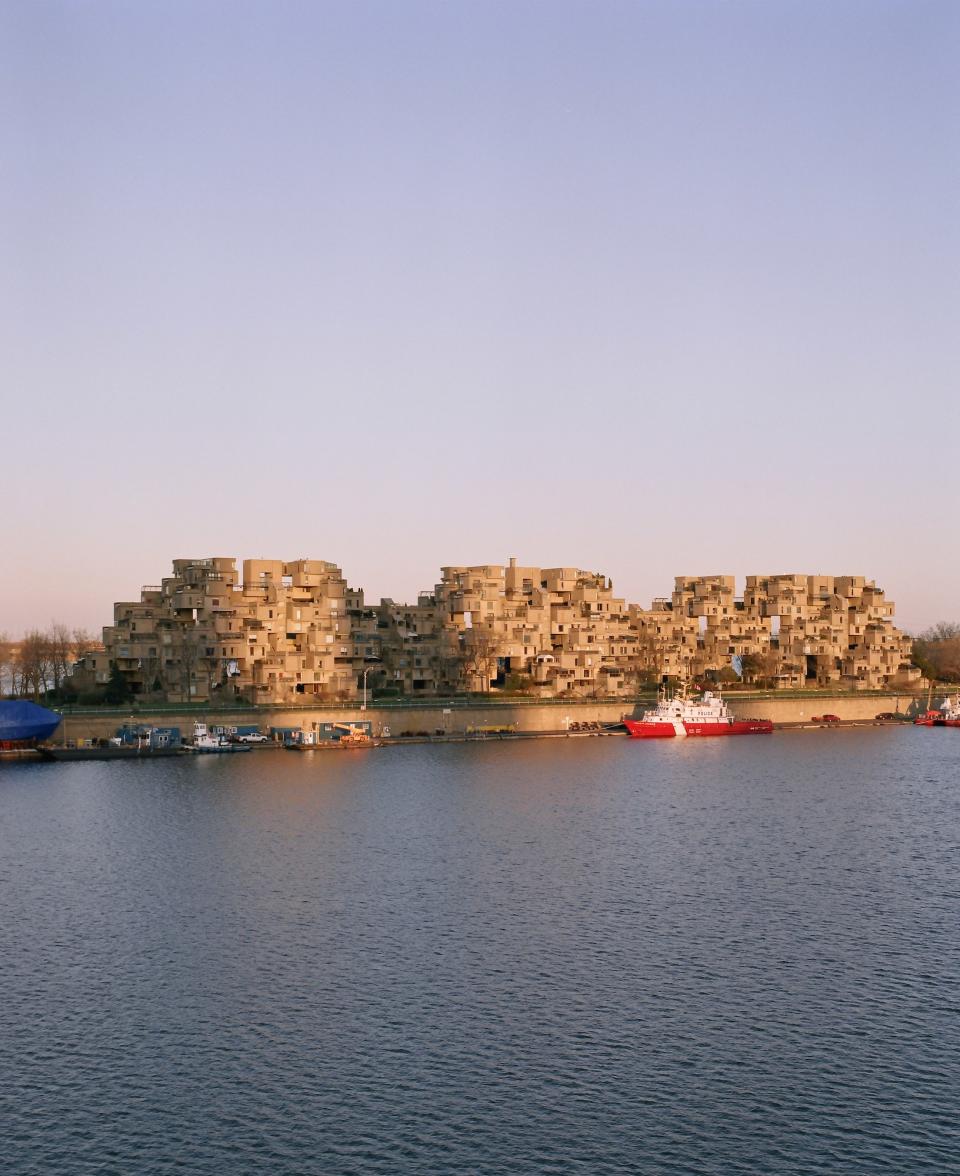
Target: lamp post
pixel 366 670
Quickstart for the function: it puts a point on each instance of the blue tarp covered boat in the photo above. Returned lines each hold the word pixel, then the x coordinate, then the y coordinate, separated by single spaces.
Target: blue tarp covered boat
pixel 22 721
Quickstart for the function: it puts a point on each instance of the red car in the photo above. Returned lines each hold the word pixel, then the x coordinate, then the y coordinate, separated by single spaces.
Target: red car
pixel 825 719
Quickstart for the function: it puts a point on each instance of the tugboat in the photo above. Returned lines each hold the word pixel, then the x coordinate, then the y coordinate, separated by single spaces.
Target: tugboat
pixel 947 716
pixel 207 741
pixel 679 716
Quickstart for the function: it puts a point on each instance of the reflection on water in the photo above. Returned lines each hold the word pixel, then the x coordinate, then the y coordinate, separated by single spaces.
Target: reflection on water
pixel 584 955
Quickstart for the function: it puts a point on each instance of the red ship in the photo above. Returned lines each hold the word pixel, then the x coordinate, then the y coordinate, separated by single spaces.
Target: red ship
pixel 680 717
pixel 947 716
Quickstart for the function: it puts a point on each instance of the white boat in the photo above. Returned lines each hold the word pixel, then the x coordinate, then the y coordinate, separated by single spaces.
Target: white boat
pixel 207 741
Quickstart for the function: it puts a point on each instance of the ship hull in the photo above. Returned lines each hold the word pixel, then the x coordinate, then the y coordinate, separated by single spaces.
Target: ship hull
pixel 24 724
pixel 642 730
pixel 223 749
pixel 639 730
pixel 76 754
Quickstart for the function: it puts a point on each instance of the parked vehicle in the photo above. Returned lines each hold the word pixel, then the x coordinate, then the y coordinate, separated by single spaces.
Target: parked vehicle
pixel 888 715
pixel 253 737
pixel 825 719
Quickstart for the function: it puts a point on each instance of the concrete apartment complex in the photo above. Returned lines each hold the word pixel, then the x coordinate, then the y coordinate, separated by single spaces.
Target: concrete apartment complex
pixel 285 629
pixel 547 631
pixel 789 631
pixel 295 631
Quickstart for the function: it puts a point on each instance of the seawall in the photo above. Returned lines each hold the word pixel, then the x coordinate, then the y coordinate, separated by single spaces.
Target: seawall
pixel 458 717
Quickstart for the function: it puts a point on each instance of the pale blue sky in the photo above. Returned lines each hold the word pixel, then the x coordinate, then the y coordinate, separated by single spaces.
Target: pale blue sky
pixel 651 288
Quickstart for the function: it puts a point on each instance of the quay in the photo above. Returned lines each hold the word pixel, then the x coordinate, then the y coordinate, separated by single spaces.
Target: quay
pixel 460 719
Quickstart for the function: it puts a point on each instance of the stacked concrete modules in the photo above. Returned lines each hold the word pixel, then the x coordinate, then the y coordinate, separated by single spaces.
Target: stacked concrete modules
pixel 295 631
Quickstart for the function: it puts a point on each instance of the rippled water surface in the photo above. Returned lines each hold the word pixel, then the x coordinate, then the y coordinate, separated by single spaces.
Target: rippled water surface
pixel 567 956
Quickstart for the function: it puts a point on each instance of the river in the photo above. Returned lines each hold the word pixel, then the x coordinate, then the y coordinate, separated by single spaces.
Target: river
pixel 559 956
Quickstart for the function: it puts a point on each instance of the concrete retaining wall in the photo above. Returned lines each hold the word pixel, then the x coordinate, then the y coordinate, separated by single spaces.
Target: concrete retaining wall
pixel 848 707
pixel 457 718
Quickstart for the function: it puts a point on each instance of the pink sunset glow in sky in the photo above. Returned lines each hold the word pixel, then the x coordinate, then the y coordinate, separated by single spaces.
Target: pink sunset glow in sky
pixel 645 288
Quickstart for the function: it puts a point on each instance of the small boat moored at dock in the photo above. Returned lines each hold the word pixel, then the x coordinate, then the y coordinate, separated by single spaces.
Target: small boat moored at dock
pixel 206 741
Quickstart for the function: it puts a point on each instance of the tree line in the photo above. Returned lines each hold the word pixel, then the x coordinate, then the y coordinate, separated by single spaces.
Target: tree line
pixel 39 664
pixel 937 652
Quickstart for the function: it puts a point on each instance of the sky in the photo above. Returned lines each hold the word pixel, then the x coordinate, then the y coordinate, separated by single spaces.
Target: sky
pixel 647 288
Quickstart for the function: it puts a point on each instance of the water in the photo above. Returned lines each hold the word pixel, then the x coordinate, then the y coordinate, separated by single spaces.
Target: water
pixel 569 956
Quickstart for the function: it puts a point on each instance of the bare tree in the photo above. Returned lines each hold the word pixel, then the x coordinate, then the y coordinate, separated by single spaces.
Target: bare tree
pixel 941 631
pixel 34 673
pixel 479 650
pixel 6 664
pixel 84 642
pixel 151 669
pixel 937 652
pixel 449 660
pixel 647 663
pixel 760 667
pixel 188 652
pixel 60 653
